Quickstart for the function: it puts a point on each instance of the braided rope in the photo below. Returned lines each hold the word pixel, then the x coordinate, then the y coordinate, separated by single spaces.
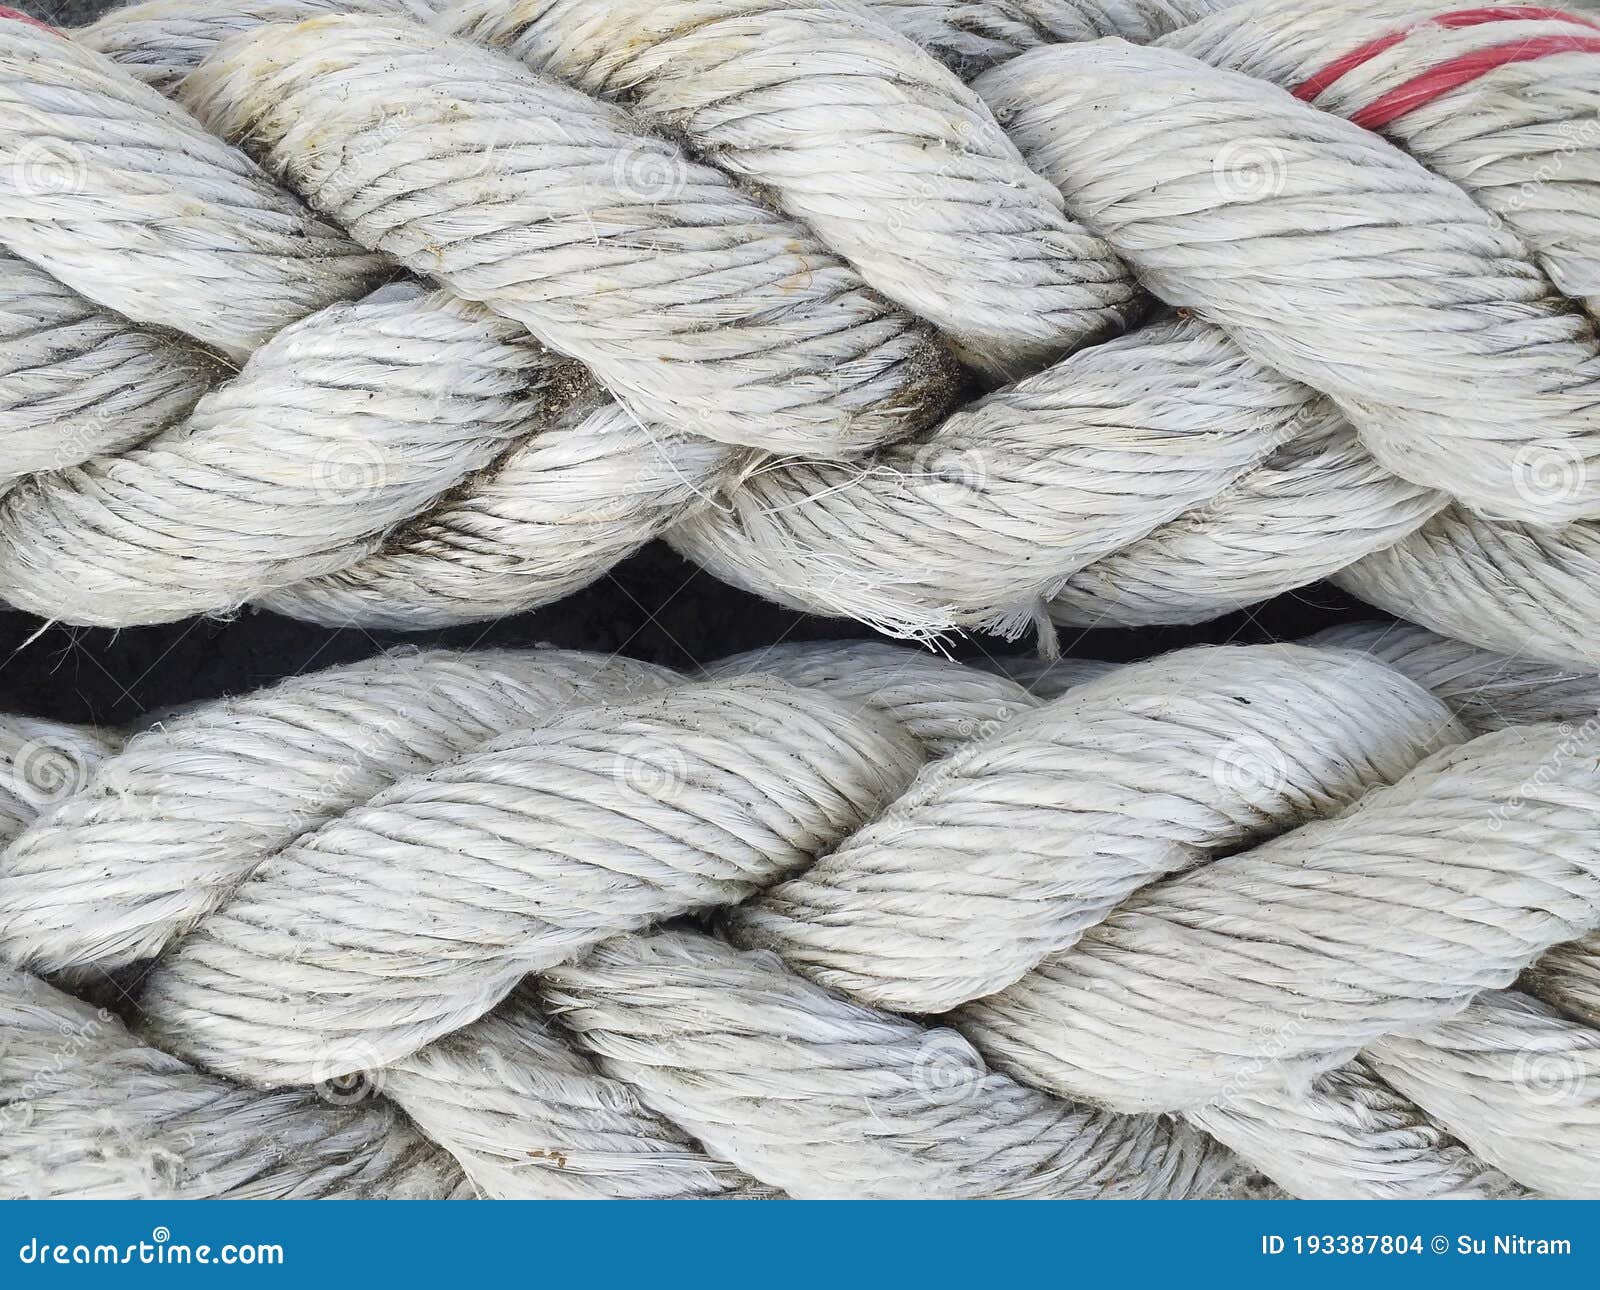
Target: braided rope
pixel 1330 913
pixel 1392 385
pixel 1279 898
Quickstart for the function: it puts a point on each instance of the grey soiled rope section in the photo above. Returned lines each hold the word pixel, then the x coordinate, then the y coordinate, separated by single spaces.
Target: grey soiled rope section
pixel 1149 917
pixel 1425 436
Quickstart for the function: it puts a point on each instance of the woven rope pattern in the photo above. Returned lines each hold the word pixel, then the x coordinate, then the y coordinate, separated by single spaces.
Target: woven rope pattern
pixel 971 315
pixel 792 242
pixel 1324 912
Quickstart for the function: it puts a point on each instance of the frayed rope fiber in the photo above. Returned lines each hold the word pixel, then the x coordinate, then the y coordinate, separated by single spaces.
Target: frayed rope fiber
pixel 941 315
pixel 511 287
pixel 828 920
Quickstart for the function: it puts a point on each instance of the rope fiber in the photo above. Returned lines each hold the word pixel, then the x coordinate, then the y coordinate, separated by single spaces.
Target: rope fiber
pixel 944 315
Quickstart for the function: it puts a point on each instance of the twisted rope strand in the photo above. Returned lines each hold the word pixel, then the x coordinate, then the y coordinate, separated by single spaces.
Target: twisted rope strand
pixel 166 1130
pixel 1268 819
pixel 855 132
pixel 1290 960
pixel 163 834
pixel 933 716
pixel 926 537
pixel 697 306
pixel 100 174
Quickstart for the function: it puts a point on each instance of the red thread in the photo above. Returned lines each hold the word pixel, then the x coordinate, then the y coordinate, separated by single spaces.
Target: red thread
pixel 19 16
pixel 1319 81
pixel 1459 71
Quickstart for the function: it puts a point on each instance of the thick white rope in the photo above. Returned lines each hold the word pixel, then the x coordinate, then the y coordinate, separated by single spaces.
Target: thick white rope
pixel 317 950
pixel 1327 949
pixel 528 1115
pixel 162 41
pixel 1423 1098
pixel 1350 1135
pixel 396 398
pixel 702 1031
pixel 1473 1071
pixel 698 306
pixel 971 909
pixel 923 538
pixel 1528 167
pixel 972 35
pixel 171 1131
pixel 954 225
pixel 539 846
pixel 1160 477
pixel 79 382
pixel 1486 691
pixel 317 745
pixel 102 174
pixel 45 761
pixel 977 701
pixel 1462 360
pixel 1524 1090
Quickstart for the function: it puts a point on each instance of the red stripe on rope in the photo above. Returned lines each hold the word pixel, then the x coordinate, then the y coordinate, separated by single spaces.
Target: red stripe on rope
pixel 18 16
pixel 1459 71
pixel 1316 83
